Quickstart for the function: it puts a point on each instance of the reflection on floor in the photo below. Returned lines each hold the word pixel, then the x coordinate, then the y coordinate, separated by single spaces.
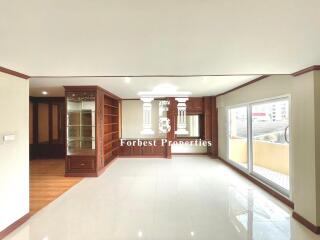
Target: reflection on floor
pixel 279 178
pixel 47 182
pixel 188 197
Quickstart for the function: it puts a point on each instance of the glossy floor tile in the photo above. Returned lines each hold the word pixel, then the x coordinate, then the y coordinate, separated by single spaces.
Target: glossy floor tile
pixel 191 197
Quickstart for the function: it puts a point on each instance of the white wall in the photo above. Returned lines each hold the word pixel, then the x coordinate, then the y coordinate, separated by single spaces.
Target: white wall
pixel 132 119
pixel 302 131
pixel 14 156
pixel 132 114
pixel 317 143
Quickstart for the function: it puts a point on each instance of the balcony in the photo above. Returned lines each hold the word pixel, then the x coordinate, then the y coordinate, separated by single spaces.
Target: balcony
pixel 270 160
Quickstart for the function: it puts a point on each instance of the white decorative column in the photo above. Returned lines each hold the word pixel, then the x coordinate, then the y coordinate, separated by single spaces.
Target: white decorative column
pixel 147 124
pixel 182 116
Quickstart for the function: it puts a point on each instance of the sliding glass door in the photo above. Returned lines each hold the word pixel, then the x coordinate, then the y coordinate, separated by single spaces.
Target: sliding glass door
pixel 270 142
pixel 238 136
pixel 259 141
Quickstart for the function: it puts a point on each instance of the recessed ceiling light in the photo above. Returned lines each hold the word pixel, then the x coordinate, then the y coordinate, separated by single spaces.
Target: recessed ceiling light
pixel 127 80
pixel 44 93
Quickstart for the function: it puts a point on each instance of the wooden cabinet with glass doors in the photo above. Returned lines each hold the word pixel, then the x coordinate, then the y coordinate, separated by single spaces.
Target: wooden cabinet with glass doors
pixel 91 129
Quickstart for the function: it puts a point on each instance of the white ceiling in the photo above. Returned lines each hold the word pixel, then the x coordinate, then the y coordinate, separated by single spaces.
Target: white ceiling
pixel 198 86
pixel 163 37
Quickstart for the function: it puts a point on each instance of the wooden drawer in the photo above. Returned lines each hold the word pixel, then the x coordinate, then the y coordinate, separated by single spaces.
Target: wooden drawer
pixel 81 163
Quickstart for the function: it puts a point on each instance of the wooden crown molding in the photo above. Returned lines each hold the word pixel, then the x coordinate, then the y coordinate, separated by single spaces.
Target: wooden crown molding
pixel 295 74
pixel 92 88
pixel 13 73
pixel 243 85
pixel 306 70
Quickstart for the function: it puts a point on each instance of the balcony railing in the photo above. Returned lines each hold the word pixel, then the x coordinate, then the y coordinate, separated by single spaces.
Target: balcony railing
pixel 271 160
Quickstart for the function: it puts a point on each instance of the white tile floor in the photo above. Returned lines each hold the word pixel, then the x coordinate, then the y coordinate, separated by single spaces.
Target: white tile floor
pixel 159 199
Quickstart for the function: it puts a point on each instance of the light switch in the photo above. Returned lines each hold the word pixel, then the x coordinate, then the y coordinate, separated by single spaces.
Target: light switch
pixel 7 138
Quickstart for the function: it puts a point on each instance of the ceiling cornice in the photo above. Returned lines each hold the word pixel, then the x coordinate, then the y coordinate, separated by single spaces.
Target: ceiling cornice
pixel 295 74
pixel 243 85
pixel 14 73
pixel 306 70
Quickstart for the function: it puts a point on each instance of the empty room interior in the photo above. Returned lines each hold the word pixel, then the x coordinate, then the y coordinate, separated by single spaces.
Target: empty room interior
pixel 159 120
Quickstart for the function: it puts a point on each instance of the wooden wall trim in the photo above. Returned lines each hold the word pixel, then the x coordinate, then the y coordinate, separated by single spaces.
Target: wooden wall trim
pixel 142 76
pixel 14 225
pixel 24 76
pixel 260 184
pixel 243 85
pixel 306 70
pixel 14 73
pixel 315 229
pixel 93 88
pixel 214 148
pixel 295 74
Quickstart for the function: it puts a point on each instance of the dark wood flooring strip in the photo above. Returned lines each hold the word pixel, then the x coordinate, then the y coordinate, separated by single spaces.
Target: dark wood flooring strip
pixel 14 226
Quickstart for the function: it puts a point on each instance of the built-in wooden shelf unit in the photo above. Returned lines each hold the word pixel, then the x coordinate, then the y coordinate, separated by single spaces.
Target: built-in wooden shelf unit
pixel 111 128
pixel 92 129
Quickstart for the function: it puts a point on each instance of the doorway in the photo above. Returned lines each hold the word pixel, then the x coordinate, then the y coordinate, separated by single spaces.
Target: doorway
pixel 47 151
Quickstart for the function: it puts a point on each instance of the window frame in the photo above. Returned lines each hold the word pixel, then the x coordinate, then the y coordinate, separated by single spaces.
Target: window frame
pixel 249 171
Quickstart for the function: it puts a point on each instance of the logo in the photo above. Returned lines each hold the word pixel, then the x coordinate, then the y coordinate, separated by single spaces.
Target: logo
pixel 164 122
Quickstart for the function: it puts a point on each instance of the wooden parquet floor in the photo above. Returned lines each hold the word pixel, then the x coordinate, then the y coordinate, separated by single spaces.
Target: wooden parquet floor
pixel 47 182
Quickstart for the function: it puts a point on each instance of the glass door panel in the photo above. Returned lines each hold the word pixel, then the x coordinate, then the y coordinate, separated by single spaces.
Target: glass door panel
pixel 270 142
pixel 81 123
pixel 238 136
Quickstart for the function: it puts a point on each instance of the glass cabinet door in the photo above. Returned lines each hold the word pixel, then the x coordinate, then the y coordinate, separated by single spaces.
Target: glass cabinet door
pixel 80 123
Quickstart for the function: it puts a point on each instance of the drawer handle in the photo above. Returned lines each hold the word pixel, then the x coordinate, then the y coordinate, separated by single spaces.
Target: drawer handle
pixel 82 164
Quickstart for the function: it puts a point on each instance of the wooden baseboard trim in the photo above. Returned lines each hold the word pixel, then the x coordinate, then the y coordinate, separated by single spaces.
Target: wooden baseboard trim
pixel 14 226
pixel 260 184
pixel 315 229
